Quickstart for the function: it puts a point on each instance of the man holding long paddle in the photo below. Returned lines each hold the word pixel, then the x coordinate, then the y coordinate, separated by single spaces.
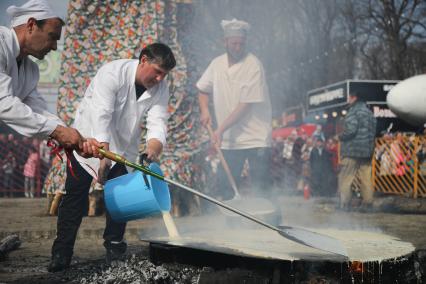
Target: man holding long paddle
pixel 118 97
pixel 235 81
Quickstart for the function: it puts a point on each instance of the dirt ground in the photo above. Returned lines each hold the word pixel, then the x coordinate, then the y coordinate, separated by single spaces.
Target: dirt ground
pixel 26 218
pixel 37 231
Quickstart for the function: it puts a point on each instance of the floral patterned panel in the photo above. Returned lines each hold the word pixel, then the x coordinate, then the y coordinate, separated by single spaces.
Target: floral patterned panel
pixel 55 179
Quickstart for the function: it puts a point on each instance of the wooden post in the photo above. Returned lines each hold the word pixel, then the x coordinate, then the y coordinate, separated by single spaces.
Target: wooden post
pixel 374 164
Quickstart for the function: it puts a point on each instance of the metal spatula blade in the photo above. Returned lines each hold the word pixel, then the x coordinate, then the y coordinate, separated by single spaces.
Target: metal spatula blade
pixel 312 239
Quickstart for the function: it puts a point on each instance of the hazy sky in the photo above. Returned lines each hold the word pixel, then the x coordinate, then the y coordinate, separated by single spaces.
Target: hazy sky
pixel 60 6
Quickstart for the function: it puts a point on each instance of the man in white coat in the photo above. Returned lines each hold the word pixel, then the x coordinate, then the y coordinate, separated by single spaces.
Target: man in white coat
pixel 121 94
pixel 35 30
pixel 235 82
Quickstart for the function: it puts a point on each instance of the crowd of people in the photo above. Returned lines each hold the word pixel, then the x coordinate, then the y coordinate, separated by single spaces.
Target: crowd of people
pixel 301 162
pixel 298 160
pixel 24 163
pixel 396 154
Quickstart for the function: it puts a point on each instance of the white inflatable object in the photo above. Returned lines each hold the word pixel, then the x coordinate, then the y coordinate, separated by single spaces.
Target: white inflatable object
pixel 408 100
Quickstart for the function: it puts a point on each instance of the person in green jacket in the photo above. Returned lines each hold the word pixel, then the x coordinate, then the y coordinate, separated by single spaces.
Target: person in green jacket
pixel 357 146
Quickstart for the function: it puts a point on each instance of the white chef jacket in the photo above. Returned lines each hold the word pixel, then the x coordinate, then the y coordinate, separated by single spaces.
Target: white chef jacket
pixel 110 113
pixel 242 82
pixel 21 106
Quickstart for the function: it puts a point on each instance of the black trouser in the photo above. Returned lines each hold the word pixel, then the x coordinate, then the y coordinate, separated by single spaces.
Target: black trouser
pixel 259 160
pixel 74 205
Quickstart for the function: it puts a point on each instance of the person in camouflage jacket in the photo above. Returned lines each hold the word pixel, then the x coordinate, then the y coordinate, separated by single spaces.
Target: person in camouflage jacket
pixel 357 146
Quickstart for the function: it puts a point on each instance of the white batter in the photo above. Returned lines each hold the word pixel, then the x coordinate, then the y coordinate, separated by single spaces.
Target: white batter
pixel 361 245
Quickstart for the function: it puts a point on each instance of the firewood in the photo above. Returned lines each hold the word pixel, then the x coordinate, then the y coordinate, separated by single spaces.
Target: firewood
pixel 8 244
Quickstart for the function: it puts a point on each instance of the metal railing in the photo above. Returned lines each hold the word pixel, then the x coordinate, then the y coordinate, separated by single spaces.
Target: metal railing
pixel 399 165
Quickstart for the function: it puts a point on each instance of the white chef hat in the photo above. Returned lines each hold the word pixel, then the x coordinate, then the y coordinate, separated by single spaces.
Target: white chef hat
pixel 37 9
pixel 235 28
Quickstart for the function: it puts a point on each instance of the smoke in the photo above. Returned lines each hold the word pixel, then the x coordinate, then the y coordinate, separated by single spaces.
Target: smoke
pixel 322 213
pixel 266 38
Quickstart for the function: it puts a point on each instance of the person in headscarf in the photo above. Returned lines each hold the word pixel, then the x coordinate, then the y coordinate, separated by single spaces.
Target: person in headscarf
pixel 35 30
pixel 236 83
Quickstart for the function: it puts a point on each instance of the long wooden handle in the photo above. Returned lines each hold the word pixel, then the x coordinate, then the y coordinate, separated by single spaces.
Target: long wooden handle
pixel 224 163
pixel 112 156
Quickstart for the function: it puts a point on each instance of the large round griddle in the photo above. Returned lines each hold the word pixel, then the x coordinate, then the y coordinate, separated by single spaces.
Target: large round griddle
pixel 361 246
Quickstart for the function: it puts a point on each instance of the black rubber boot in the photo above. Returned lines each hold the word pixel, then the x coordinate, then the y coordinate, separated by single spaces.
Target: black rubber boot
pixel 59 262
pixel 115 251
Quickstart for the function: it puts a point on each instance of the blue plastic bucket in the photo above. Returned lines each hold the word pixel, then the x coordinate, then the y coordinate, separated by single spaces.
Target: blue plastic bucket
pixel 136 195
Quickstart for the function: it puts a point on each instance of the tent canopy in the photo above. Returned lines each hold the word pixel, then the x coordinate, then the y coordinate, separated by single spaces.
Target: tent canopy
pixel 284 132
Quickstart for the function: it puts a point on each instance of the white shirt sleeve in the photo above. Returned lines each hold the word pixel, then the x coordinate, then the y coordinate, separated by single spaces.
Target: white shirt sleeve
pixel 39 105
pixel 19 115
pixel 105 87
pixel 156 121
pixel 205 84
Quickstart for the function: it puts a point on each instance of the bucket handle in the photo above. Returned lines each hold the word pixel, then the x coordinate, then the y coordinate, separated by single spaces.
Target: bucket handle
pixel 145 178
pixel 145 161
